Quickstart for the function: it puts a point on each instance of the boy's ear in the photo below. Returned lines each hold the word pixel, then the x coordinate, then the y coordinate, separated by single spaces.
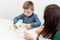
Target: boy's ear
pixel 32 9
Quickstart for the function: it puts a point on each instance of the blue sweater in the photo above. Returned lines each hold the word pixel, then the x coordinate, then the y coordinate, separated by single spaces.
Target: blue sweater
pixel 33 20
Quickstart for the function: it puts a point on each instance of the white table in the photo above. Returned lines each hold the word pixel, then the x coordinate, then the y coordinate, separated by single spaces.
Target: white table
pixel 7 32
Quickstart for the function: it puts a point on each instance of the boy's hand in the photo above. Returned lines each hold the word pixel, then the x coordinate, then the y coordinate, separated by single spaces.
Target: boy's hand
pixel 28 25
pixel 15 27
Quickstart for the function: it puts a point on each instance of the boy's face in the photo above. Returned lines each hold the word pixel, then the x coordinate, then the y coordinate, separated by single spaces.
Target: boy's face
pixel 28 12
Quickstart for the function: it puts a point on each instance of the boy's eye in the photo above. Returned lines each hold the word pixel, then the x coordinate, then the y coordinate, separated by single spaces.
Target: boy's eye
pixel 24 11
pixel 27 12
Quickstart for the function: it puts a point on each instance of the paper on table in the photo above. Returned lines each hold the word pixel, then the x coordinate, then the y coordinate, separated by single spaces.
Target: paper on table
pixel 20 32
pixel 21 29
pixel 19 23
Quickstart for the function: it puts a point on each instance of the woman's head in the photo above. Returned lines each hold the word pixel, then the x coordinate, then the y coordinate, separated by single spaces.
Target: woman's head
pixel 51 20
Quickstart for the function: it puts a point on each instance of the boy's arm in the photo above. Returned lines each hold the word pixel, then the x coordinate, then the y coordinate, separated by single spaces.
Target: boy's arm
pixel 16 19
pixel 37 22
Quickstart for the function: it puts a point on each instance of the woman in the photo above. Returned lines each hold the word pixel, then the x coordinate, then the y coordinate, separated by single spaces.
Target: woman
pixel 51 29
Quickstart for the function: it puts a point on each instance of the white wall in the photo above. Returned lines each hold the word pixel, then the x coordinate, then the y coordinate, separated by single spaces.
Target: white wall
pixel 11 8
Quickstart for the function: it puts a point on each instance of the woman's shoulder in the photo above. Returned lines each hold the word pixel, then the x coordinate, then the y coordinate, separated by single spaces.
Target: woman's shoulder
pixel 57 35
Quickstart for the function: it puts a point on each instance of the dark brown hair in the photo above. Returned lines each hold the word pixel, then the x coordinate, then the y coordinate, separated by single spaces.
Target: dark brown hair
pixel 51 20
pixel 28 4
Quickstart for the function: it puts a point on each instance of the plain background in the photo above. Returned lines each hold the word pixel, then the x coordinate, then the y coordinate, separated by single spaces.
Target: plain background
pixel 11 8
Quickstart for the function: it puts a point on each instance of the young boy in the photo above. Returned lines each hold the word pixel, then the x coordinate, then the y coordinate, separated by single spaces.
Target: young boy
pixel 30 19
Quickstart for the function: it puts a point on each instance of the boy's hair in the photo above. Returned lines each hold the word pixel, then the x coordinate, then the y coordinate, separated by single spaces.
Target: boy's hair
pixel 28 4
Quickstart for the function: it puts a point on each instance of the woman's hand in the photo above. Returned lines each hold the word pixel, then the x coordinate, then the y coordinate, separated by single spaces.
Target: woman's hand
pixel 28 36
pixel 39 30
